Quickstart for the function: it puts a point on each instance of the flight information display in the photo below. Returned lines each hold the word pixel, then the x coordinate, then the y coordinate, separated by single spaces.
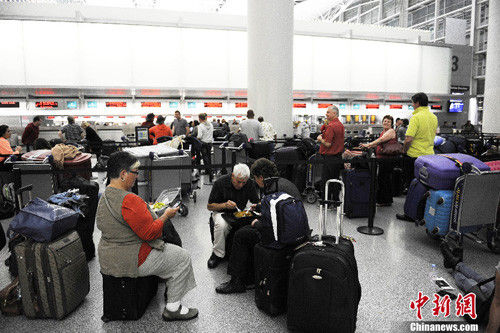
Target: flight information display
pixel 436 107
pixel 47 104
pixel 213 104
pixel 5 104
pixel 71 104
pixel 372 106
pixel 395 106
pixel 116 104
pixel 324 105
pixel 151 104
pixel 241 105
pixel 92 104
pixel 299 105
pixel 456 106
pixel 173 105
pixel 191 105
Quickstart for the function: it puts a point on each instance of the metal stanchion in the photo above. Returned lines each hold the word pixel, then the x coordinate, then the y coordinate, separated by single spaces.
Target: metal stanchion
pixel 370 229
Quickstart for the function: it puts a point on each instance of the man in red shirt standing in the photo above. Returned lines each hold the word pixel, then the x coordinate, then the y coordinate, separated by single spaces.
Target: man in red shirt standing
pixel 331 148
pixel 31 132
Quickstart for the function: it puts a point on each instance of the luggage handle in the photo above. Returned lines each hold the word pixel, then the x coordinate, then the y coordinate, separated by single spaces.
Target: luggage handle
pixel 323 211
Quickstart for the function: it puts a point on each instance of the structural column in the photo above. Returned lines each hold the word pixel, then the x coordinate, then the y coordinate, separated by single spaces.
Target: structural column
pixel 491 111
pixel 270 62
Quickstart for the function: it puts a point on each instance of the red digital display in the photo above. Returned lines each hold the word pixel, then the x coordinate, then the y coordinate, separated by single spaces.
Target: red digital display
pixel 436 107
pixel 50 117
pixel 324 105
pixel 213 104
pixel 9 104
pixel 395 107
pixel 372 106
pixel 299 105
pixel 241 105
pixel 47 104
pixel 116 104
pixel 151 104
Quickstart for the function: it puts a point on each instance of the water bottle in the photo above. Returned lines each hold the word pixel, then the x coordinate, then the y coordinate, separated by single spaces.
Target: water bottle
pixel 433 275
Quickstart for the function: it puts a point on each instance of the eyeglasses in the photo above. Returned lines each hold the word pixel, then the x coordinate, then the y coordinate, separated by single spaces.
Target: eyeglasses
pixel 134 172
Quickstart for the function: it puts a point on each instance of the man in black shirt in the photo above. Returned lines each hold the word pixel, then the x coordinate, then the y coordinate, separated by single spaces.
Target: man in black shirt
pixel 229 193
pixel 265 174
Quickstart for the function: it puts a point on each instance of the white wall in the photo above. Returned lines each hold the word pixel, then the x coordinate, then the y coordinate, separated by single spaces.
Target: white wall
pixel 67 54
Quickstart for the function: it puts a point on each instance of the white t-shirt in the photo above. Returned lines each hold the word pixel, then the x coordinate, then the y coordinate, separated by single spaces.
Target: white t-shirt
pixel 251 128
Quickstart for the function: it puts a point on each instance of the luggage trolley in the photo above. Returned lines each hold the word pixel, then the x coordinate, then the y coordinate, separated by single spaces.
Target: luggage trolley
pixel 475 206
pixel 314 171
pixel 151 183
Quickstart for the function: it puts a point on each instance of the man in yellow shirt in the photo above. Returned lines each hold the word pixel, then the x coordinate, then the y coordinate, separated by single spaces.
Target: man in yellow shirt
pixel 419 135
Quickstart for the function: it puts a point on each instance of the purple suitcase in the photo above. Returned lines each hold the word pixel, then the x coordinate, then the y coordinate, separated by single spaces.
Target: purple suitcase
pixel 440 172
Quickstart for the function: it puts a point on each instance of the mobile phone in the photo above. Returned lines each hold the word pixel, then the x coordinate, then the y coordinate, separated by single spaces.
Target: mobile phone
pixel 443 293
pixel 442 284
pixel 175 204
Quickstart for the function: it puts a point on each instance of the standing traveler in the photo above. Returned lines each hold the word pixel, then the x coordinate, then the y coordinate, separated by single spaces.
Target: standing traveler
pixel 71 133
pixel 93 139
pixel 31 132
pixel 401 131
pixel 132 244
pixel 419 135
pixel 159 130
pixel 251 127
pixel 385 166
pixel 331 148
pixel 150 121
pixel 268 132
pixel 5 148
pixel 206 136
pixel 180 125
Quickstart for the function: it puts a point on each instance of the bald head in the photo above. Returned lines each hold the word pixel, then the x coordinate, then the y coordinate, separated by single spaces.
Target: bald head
pixel 332 112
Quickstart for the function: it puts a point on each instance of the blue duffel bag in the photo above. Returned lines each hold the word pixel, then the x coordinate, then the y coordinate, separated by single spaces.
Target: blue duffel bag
pixel 42 221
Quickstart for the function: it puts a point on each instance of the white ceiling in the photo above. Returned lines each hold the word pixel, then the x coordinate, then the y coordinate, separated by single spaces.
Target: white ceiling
pixel 307 10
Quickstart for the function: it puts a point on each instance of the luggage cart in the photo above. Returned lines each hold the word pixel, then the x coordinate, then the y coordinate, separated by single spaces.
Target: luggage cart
pixel 46 183
pixel 475 206
pixel 313 176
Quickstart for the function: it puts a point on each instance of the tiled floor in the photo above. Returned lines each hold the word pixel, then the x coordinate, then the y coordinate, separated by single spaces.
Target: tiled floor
pixel 393 268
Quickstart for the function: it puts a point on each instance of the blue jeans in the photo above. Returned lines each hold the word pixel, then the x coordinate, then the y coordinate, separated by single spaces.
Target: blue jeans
pixel 466 278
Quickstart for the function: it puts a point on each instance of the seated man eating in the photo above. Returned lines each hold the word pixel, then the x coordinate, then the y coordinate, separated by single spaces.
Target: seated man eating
pixel 229 193
pixel 265 174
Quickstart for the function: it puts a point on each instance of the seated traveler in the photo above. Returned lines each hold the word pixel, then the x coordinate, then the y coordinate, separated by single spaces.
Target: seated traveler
pixel 229 193
pixel 131 243
pixel 5 148
pixel 265 174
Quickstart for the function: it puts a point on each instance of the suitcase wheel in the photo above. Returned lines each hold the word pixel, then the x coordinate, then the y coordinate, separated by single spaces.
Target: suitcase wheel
pixel 440 201
pixel 432 235
pixel 183 210
pixel 311 196
pixel 493 239
pixel 105 319
pixel 193 196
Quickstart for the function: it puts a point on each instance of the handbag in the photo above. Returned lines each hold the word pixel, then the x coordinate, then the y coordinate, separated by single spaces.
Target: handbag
pixel 170 235
pixel 391 149
pixel 10 299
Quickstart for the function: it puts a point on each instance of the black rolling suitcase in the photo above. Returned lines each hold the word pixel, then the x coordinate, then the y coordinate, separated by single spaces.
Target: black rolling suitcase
pixel 324 290
pixel 85 225
pixel 127 298
pixel 272 268
pixel 397 182
pixel 357 192
pixel 54 276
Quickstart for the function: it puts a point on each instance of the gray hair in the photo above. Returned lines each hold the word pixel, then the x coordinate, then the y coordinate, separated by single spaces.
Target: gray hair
pixel 241 171
pixel 334 109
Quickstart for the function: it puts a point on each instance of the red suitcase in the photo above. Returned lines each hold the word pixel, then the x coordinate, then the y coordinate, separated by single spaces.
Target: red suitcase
pixel 494 165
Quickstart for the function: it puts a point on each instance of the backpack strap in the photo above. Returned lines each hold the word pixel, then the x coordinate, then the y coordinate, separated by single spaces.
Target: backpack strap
pixel 274 213
pixel 479 284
